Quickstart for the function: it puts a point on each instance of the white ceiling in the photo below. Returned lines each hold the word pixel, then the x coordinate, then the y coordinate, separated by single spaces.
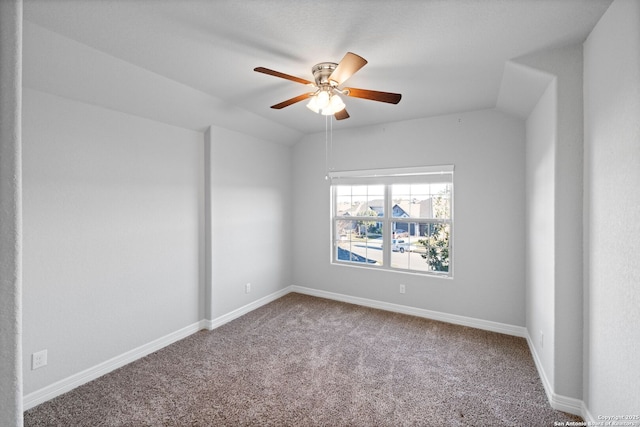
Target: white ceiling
pixel 443 56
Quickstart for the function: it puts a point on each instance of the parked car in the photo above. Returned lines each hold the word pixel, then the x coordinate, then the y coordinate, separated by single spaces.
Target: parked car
pixel 399 245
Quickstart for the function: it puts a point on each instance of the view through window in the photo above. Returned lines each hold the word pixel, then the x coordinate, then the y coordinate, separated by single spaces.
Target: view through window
pixel 395 219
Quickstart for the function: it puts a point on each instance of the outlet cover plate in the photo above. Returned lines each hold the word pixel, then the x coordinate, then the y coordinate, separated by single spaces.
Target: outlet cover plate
pixel 38 359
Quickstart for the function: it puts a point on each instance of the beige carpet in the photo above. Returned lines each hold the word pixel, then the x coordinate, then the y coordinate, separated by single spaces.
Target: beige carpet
pixel 306 361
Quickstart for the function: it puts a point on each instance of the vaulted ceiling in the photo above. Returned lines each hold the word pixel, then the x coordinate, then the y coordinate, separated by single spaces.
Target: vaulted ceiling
pixel 190 62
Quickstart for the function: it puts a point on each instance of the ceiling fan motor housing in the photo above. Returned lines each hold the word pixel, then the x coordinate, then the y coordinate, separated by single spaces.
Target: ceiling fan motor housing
pixel 322 72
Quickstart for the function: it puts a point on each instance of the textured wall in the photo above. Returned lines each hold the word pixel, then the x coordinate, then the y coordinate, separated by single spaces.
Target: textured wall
pixel 10 213
pixel 612 155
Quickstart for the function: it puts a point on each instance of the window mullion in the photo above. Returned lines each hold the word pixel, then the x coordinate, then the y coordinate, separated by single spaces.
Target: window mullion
pixel 386 227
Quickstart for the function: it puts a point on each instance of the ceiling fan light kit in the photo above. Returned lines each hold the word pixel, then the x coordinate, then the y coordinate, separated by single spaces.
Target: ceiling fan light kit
pixel 328 77
pixel 325 103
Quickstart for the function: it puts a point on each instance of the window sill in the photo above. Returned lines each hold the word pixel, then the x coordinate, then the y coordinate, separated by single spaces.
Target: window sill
pixel 394 270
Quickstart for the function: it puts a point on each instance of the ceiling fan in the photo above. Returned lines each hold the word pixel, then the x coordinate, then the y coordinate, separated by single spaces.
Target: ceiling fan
pixel 328 77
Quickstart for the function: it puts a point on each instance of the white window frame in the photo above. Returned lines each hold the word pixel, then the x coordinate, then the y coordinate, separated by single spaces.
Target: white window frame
pixel 388 177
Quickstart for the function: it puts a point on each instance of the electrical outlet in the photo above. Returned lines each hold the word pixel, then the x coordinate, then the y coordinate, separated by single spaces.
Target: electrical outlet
pixel 247 288
pixel 38 359
pixel 541 339
pixel 402 289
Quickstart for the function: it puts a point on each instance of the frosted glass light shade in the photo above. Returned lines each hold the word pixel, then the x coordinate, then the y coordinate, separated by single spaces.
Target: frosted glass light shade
pixel 336 104
pixel 313 105
pixel 323 99
pixel 325 104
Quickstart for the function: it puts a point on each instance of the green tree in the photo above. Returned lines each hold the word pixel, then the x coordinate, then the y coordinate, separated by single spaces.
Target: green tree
pixel 437 245
pixel 437 241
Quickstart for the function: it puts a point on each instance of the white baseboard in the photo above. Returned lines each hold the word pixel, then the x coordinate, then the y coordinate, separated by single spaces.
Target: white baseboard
pixel 487 325
pixel 587 415
pixel 557 401
pixel 67 384
pixel 219 321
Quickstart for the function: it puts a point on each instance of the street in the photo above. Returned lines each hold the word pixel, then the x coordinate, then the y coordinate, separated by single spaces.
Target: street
pixel 372 250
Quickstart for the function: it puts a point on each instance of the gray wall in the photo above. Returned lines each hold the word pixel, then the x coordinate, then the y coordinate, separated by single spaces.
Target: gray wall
pixel 540 250
pixel 11 213
pixel 114 233
pixel 487 149
pixel 564 310
pixel 612 230
pixel 251 218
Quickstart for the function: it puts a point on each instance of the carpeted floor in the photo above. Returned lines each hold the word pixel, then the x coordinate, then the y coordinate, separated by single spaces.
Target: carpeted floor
pixel 306 361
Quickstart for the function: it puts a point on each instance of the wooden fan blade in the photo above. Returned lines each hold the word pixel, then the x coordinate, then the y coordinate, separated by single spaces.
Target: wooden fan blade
pixel 292 101
pixel 341 115
pixel 347 67
pixel 374 95
pixel 283 75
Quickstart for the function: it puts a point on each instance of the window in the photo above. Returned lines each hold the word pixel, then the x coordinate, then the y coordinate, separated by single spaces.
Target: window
pixel 394 219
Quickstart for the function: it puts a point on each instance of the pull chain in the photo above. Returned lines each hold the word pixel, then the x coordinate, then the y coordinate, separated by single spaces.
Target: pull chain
pixel 326 148
pixel 328 144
